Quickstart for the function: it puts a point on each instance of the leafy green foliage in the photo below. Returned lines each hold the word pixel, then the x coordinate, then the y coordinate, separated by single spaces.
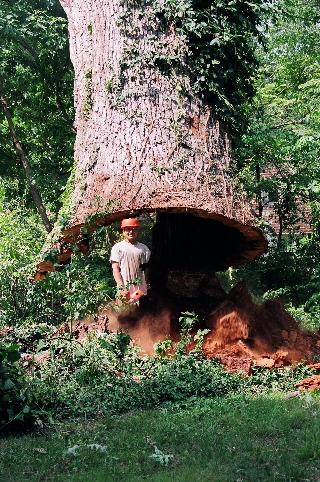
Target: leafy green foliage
pixel 283 129
pixel 87 380
pixel 87 284
pixel 221 39
pixel 37 78
pixel 291 266
pixel 213 55
pixel 14 398
pixel 21 238
pixel 117 344
pixel 17 258
pixel 264 379
pixel 283 136
pixel 105 374
pixel 187 322
pixel 29 337
pixel 79 289
pixel 161 348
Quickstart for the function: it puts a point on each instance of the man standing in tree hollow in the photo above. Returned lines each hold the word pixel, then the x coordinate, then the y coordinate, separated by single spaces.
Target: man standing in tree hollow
pixel 129 259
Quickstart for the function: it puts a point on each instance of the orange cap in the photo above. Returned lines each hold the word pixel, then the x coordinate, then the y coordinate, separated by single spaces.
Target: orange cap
pixel 130 223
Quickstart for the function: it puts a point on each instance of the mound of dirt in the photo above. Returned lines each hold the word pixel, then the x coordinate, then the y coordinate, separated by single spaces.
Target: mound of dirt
pixel 244 334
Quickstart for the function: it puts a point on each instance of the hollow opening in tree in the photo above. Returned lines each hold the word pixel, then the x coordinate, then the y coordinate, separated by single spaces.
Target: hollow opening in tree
pixel 187 241
pixel 189 248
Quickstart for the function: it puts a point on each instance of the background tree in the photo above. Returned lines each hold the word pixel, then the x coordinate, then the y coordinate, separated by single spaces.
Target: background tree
pixel 25 163
pixel 284 116
pixel 283 134
pixel 37 82
pixel 37 79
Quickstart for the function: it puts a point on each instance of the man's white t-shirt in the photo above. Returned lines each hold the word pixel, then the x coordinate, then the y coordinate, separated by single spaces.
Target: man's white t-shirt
pixel 130 258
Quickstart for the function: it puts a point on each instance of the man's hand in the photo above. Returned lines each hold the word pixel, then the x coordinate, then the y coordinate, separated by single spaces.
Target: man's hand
pixel 122 293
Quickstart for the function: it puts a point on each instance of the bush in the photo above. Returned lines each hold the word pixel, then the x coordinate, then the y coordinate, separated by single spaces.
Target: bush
pixel 289 270
pixel 88 381
pixel 15 407
pixel 277 379
pixel 28 335
pixel 78 289
pixel 308 316
pixel 108 376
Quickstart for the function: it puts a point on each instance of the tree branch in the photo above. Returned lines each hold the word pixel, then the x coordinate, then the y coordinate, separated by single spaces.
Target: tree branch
pixel 62 110
pixel 292 123
pixel 25 163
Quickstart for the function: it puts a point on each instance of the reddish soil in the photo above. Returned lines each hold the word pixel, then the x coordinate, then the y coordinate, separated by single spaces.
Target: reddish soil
pixel 309 384
pixel 246 334
pixel 315 366
pixel 243 334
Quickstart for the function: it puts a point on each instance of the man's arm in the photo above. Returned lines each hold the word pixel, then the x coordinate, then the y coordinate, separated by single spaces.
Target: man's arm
pixel 145 268
pixel 117 275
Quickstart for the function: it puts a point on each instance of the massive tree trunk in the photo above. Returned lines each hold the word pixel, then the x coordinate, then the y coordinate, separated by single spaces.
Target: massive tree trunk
pixel 144 141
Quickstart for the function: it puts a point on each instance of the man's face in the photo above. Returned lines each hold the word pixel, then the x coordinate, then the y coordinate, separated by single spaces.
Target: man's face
pixel 130 234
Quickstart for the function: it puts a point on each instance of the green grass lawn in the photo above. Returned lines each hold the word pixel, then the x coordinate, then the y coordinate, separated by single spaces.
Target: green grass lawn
pixel 239 438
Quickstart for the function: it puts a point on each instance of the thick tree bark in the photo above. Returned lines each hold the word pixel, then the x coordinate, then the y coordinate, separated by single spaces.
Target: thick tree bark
pixel 26 166
pixel 144 141
pixel 147 147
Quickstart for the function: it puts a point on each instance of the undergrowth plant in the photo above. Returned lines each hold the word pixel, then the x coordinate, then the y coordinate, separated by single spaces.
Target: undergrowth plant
pixel 16 408
pixel 69 293
pixel 117 344
pixel 188 321
pixel 162 348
